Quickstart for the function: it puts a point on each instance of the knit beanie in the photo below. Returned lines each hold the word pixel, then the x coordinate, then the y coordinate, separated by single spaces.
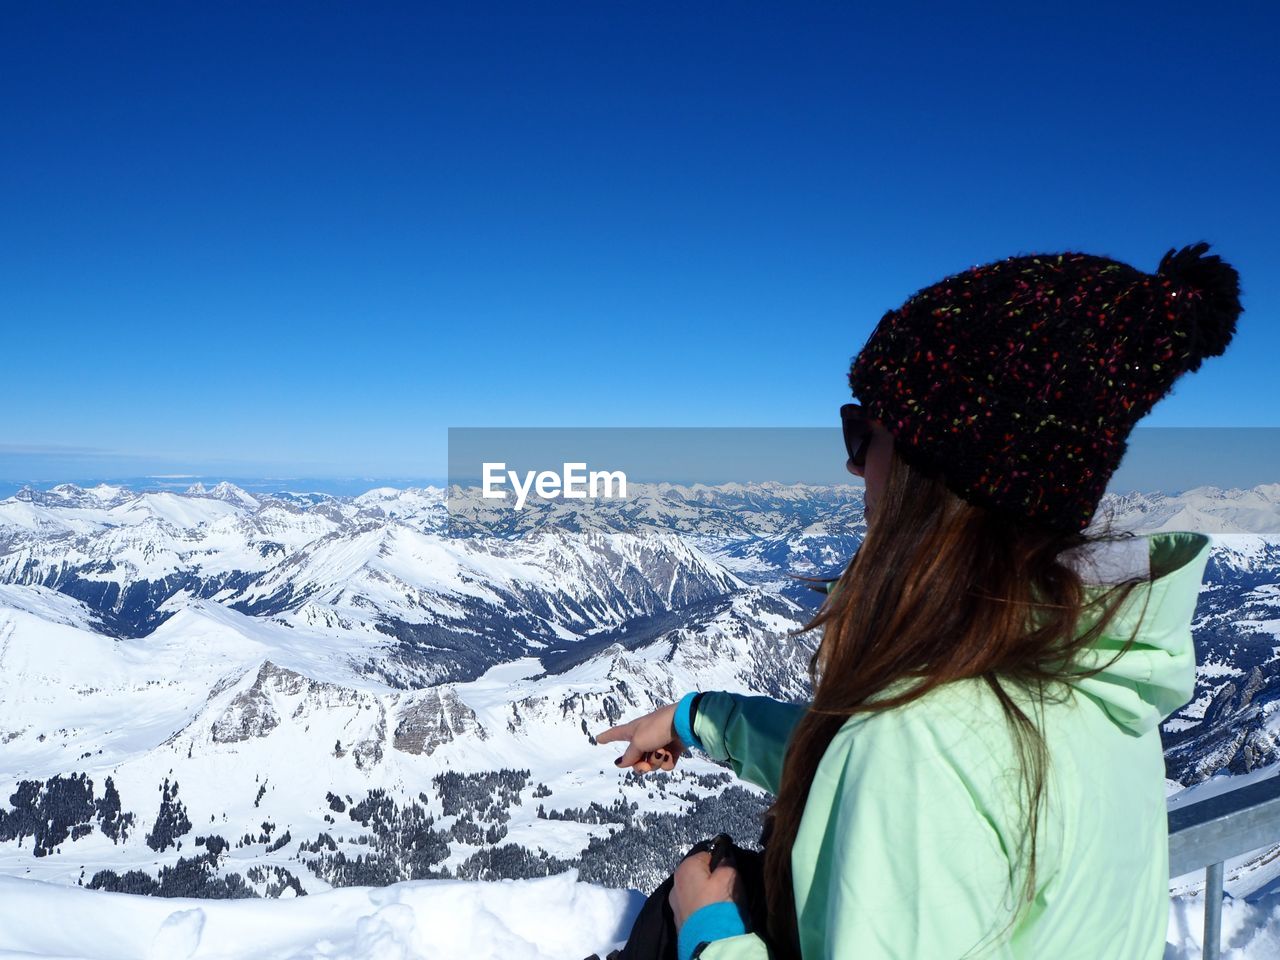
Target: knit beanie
pixel 1018 382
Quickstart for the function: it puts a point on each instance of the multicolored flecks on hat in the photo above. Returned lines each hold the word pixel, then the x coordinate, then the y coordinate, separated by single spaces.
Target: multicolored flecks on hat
pixel 1020 381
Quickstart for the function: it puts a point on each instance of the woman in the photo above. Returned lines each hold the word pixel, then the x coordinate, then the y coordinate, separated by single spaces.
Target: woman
pixel 980 771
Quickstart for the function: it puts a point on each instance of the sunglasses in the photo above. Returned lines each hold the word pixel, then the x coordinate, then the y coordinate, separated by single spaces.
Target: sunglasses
pixel 857 433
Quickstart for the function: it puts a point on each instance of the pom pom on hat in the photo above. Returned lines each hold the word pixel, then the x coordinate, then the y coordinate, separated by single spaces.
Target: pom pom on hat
pixel 1209 291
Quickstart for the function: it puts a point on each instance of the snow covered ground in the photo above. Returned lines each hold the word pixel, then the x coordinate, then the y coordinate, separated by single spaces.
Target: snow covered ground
pixel 1250 931
pixel 554 918
pixel 545 919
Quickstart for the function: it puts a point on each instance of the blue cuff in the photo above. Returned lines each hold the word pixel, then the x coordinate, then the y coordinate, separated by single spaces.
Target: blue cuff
pixel 715 921
pixel 683 722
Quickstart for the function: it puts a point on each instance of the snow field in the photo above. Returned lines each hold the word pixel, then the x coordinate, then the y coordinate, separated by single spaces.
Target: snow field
pixel 545 919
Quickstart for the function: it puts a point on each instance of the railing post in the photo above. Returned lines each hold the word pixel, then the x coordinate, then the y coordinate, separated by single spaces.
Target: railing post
pixel 1209 832
pixel 1213 912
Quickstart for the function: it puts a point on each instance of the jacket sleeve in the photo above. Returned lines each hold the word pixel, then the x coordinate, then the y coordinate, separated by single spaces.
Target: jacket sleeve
pixel 750 732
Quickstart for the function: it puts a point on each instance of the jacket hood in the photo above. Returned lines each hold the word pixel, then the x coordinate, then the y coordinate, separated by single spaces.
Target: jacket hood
pixel 1157 674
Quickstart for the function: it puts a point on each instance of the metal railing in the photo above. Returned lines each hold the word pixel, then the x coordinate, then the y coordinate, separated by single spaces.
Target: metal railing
pixel 1207 833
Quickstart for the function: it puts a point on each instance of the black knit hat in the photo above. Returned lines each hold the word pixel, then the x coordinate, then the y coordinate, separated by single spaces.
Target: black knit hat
pixel 1019 381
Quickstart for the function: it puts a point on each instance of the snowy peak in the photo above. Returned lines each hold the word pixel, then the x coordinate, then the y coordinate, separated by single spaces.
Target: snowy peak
pixel 1206 509
pixel 230 493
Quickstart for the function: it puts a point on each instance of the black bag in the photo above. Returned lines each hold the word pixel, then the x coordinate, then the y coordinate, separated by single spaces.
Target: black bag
pixel 653 935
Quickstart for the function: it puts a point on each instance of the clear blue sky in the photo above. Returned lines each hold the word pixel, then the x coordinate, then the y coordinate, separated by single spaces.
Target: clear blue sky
pixel 274 238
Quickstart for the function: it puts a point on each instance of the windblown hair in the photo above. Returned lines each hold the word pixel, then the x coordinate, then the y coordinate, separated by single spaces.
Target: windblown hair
pixel 940 590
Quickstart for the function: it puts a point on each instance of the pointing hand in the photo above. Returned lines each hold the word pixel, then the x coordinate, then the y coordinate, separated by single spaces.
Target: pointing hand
pixel 652 743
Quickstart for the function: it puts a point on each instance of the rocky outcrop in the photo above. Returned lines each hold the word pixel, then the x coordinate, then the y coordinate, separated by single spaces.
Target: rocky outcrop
pixel 252 713
pixel 278 693
pixel 432 719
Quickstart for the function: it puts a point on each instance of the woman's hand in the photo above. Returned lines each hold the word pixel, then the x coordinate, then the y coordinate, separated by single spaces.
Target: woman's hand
pixel 652 741
pixel 696 886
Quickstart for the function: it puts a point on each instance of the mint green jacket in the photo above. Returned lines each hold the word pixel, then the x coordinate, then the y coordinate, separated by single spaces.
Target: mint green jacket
pixel 909 844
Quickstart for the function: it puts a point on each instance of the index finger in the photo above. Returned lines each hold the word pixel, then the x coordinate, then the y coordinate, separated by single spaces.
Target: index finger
pixel 623 731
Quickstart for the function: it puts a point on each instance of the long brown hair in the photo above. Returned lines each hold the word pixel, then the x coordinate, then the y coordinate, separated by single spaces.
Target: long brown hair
pixel 940 590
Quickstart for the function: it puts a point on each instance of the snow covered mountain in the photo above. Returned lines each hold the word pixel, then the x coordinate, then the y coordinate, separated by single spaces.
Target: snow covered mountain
pixel 214 693
pixel 1233 724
